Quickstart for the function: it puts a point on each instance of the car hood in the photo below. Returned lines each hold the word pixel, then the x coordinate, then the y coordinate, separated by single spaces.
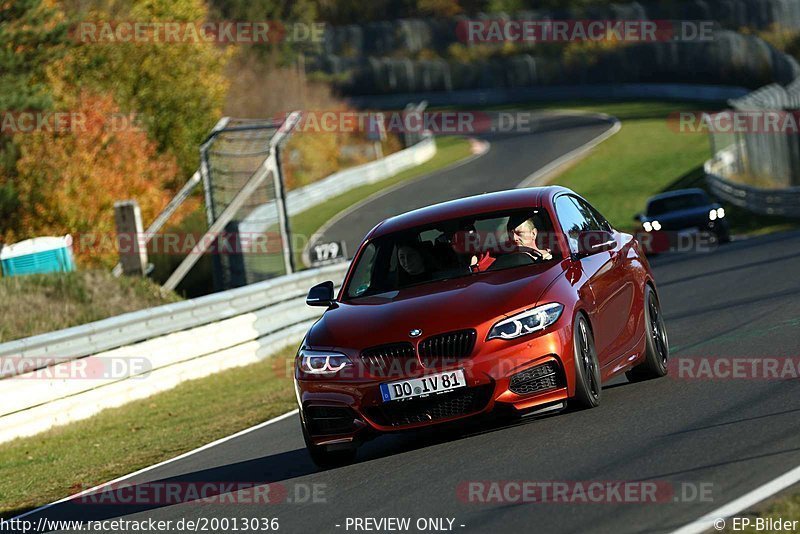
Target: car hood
pixel 437 307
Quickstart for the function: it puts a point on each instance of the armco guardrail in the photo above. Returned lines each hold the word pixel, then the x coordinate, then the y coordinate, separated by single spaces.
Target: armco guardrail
pixel 177 342
pixel 785 202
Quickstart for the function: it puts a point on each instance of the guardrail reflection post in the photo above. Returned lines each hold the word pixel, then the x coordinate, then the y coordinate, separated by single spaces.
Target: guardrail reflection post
pixel 132 248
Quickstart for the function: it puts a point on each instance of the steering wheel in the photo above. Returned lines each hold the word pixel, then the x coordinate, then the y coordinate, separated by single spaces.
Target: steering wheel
pixel 514 259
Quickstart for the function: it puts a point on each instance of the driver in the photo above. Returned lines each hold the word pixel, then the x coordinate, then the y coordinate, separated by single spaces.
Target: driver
pixel 523 233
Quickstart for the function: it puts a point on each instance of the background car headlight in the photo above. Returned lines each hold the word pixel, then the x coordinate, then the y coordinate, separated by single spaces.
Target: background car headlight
pixel 656 225
pixel 712 215
pixel 720 213
pixel 648 227
pixel 322 362
pixel 526 322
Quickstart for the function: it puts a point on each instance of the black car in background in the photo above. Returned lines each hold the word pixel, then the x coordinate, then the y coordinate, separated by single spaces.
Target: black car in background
pixel 683 218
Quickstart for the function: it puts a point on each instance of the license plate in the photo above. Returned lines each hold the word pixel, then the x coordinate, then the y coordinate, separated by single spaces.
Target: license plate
pixel 425 385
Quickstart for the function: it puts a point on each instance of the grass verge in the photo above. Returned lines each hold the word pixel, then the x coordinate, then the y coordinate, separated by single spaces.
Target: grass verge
pixel 39 303
pixel 449 150
pixel 68 459
pixel 784 509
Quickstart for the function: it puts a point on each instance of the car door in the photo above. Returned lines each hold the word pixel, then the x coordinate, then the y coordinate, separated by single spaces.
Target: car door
pixel 611 293
pixel 620 325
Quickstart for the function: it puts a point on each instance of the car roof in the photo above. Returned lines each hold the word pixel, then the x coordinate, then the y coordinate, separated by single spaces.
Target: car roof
pixel 528 197
pixel 678 193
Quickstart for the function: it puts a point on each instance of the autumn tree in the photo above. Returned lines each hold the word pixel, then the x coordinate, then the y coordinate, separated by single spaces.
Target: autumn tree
pixel 32 33
pixel 177 88
pixel 69 180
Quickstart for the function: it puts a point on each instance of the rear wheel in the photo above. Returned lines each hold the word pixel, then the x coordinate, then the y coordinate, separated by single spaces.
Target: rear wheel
pixel 656 343
pixel 587 368
pixel 325 458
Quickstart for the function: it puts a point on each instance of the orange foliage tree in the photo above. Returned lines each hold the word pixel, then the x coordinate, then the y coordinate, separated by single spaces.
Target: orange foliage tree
pixel 69 180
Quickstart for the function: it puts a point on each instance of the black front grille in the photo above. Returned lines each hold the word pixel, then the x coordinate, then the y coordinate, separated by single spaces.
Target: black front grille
pixel 536 379
pixel 390 359
pixel 442 349
pixel 462 401
pixel 328 420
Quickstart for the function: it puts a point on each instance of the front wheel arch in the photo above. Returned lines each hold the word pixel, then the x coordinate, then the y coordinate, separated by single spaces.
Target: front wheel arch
pixel 656 360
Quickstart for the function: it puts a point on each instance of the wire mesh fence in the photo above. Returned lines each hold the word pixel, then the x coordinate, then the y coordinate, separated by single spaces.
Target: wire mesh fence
pixel 250 249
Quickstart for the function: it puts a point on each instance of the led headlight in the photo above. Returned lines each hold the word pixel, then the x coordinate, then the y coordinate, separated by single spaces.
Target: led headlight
pixel 526 322
pixel 648 227
pixel 656 225
pixel 720 213
pixel 712 215
pixel 322 362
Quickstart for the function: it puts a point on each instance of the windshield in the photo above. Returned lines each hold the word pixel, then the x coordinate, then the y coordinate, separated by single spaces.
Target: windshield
pixel 452 249
pixel 682 202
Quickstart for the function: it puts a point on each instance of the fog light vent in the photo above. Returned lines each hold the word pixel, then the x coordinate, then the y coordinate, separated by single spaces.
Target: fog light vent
pixel 536 379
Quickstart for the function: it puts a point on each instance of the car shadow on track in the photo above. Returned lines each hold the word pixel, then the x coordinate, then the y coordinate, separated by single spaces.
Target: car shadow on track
pixel 389 445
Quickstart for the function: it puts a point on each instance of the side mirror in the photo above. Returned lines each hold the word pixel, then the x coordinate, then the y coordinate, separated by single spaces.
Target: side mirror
pixel 595 241
pixel 321 295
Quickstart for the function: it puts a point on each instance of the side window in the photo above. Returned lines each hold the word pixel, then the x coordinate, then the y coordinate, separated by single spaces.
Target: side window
pixel 363 273
pixel 601 221
pixel 596 222
pixel 573 220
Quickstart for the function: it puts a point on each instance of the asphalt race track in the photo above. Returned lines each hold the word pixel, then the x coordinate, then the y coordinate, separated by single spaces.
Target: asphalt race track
pixel 511 158
pixel 681 432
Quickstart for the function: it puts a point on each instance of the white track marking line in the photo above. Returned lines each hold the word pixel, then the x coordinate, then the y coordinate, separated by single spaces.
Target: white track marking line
pixel 165 462
pixel 759 494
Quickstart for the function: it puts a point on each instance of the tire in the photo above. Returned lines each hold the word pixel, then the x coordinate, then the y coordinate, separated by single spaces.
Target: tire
pixel 588 388
pixel 324 458
pixel 656 342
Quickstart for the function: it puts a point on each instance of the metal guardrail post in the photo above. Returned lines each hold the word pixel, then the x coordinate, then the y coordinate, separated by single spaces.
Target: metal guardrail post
pixel 204 170
pixel 179 198
pixel 283 214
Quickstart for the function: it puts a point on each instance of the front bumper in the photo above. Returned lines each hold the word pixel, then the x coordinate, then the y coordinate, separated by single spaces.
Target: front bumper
pixel 501 376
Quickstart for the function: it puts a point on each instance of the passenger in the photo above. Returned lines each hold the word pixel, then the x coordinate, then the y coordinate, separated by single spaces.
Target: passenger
pixel 412 265
pixel 523 232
